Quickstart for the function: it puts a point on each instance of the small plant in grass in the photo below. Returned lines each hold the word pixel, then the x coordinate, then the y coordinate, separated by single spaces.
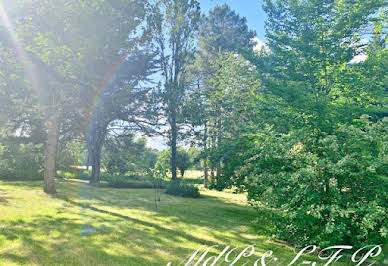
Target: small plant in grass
pixel 179 188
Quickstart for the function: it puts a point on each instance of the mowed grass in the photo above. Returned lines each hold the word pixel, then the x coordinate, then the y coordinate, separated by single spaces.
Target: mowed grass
pixel 39 229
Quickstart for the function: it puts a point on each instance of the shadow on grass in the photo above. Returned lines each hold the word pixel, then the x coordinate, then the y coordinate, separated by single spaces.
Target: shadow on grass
pixel 229 216
pixel 67 248
pixel 4 197
pixel 170 232
pixel 176 229
pixel 195 212
pixel 23 183
pixel 67 239
pixel 4 200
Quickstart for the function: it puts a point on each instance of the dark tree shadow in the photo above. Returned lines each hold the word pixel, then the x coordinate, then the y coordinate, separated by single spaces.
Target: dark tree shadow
pixel 209 214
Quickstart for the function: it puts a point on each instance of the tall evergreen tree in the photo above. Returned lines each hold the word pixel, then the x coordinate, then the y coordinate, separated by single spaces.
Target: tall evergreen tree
pixel 175 25
pixel 311 44
pixel 221 31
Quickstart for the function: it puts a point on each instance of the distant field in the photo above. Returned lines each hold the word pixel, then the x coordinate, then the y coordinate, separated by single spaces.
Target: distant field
pixel 193 174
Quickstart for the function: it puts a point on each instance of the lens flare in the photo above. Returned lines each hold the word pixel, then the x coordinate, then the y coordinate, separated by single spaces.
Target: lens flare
pixel 11 39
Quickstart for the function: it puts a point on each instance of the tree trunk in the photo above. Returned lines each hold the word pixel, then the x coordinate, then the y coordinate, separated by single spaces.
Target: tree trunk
pixel 205 169
pixel 212 175
pixel 50 156
pixel 96 138
pixel 88 162
pixel 96 166
pixel 213 145
pixel 95 148
pixel 219 135
pixel 173 145
pixel 218 170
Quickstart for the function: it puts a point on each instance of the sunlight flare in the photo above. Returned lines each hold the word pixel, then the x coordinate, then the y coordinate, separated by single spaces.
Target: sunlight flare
pixel 20 52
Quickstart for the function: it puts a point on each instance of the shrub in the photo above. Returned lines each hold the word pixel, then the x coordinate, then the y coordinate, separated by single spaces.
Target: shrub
pixel 328 188
pixel 69 154
pixel 119 181
pixel 125 154
pixel 21 161
pixel 183 161
pixel 179 188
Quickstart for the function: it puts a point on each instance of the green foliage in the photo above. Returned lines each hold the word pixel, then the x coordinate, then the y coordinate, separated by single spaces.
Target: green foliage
pixel 195 158
pixel 222 31
pixel 70 154
pixel 303 150
pixel 125 154
pixel 175 24
pixel 283 126
pixel 183 161
pixel 330 188
pixel 163 163
pixel 21 160
pixel 120 181
pixel 56 57
pixel 179 188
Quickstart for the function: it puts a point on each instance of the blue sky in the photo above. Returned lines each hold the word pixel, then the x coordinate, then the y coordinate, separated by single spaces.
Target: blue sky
pixel 251 10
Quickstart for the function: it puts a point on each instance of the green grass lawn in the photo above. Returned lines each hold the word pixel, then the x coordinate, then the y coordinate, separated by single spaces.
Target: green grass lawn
pixel 38 229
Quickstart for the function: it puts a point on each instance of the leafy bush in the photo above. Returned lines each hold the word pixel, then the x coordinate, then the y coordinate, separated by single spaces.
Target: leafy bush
pixel 21 161
pixel 183 161
pixel 179 188
pixel 119 181
pixel 69 154
pixel 126 154
pixel 328 188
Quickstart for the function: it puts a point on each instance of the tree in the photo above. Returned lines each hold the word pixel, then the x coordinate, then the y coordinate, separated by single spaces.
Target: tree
pixel 175 32
pixel 221 31
pixel 124 153
pixel 125 96
pixel 124 105
pixel 163 162
pixel 317 39
pixel 195 158
pixel 68 60
pixel 46 58
pixel 183 161
pixel 316 169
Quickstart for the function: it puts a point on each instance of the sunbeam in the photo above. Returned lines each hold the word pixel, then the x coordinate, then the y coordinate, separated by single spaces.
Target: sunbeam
pixel 10 39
